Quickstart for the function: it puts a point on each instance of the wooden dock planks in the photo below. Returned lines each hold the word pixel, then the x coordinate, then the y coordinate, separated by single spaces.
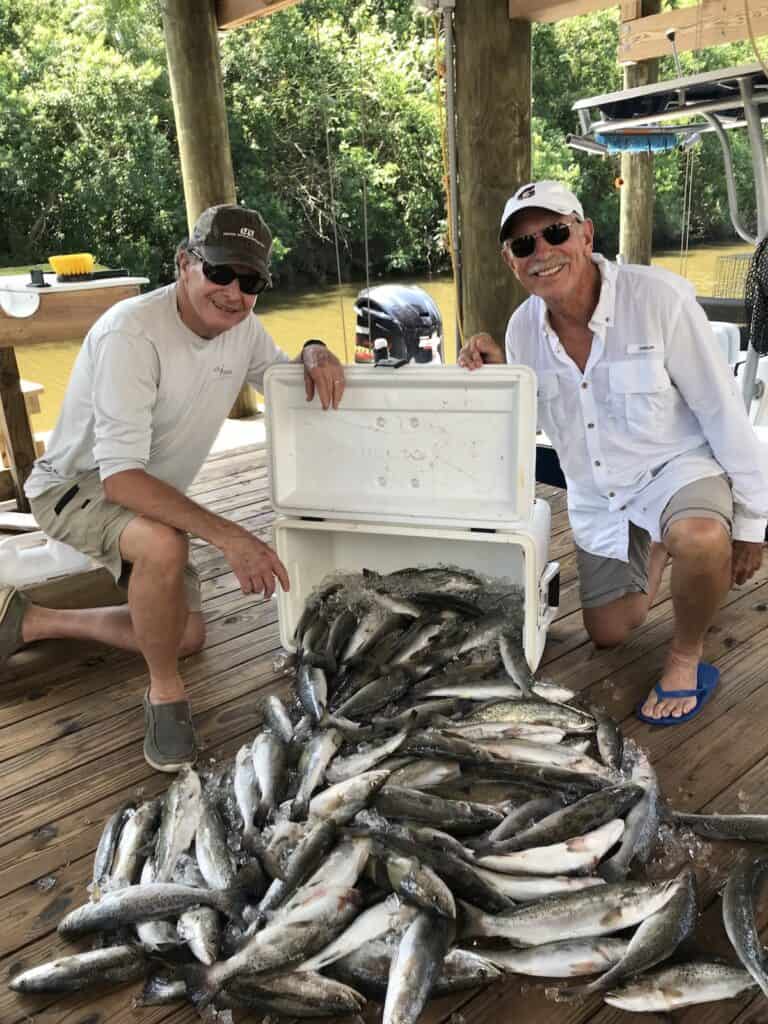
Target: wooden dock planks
pixel 70 752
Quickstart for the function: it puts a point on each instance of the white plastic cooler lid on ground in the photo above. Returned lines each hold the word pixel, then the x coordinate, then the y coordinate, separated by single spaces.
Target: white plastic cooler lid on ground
pixel 426 444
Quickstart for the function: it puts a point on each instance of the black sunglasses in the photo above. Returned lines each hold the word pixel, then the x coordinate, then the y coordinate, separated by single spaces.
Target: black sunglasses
pixel 524 245
pixel 223 274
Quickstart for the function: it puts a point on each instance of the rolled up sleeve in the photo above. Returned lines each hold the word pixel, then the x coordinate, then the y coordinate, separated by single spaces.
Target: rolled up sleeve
pixel 125 386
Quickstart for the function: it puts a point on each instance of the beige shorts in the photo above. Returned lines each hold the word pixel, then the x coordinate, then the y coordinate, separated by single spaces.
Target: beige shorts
pixel 79 514
pixel 602 580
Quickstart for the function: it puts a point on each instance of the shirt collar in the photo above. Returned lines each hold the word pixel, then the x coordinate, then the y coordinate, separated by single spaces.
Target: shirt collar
pixel 603 316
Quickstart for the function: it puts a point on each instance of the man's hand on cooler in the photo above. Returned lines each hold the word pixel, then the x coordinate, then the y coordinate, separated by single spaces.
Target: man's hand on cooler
pixel 480 349
pixel 323 373
pixel 254 563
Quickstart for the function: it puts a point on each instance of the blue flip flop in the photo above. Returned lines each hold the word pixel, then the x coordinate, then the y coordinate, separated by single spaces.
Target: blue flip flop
pixel 707 678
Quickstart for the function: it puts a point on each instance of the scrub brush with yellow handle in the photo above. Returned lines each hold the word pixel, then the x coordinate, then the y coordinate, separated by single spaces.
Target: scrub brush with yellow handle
pixel 78 266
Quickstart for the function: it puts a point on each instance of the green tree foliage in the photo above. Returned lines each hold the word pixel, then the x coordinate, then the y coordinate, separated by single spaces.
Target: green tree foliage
pixel 709 218
pixel 87 152
pixel 576 58
pixel 334 124
pixel 573 59
pixel 333 96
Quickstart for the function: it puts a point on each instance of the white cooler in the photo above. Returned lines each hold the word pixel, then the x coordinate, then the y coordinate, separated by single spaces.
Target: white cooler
pixel 420 466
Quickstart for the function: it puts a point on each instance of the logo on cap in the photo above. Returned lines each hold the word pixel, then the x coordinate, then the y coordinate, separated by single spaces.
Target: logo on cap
pixel 246 233
pixel 527 192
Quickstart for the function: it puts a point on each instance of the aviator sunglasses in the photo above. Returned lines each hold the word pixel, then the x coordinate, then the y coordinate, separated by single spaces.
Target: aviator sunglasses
pixel 222 274
pixel 524 245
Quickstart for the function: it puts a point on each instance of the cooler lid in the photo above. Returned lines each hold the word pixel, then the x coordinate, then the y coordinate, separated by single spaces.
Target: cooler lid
pixel 420 444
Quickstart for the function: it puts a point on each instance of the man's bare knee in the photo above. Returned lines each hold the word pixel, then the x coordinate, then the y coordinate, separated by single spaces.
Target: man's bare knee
pixel 156 547
pixel 611 625
pixel 194 635
pixel 607 634
pixel 700 540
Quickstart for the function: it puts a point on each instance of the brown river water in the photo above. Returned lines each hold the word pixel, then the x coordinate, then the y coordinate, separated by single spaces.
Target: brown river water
pixel 327 313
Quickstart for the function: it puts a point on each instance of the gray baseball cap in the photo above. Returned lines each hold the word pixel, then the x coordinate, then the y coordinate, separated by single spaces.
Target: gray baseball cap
pixel 233 234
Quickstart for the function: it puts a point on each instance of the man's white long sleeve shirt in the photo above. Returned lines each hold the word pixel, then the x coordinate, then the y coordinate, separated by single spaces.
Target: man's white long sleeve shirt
pixel 656 408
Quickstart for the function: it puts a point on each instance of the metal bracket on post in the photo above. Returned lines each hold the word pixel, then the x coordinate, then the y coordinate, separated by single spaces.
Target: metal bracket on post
pixel 585 145
pixel 671 33
pixel 730 179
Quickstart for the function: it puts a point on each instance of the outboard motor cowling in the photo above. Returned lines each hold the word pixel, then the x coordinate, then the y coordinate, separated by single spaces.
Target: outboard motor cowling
pixel 396 321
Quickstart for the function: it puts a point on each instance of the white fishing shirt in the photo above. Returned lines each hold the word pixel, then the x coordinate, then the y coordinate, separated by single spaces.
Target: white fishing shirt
pixel 656 408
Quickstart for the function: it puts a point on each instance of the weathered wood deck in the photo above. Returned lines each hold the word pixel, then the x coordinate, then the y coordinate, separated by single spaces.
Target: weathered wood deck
pixel 70 751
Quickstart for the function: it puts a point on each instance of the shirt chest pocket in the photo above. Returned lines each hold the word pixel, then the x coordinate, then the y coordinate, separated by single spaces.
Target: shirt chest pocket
pixel 549 401
pixel 640 394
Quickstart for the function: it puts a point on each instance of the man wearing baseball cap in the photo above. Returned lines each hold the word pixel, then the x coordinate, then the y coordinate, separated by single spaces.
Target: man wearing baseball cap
pixel 151 387
pixel 658 453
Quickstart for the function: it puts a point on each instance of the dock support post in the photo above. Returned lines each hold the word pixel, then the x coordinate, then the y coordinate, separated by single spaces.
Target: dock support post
pixel 493 105
pixel 197 89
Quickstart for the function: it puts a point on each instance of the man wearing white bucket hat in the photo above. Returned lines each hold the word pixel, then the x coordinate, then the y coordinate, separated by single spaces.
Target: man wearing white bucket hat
pixel 151 387
pixel 658 453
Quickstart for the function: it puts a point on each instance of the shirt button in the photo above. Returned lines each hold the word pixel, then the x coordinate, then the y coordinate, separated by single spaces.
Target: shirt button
pixel 611 494
pixel 585 385
pixel 623 508
pixel 597 462
pixel 590 426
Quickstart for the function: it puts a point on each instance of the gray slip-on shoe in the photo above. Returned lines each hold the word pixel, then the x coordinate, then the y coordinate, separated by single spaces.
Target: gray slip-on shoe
pixel 169 737
pixel 13 605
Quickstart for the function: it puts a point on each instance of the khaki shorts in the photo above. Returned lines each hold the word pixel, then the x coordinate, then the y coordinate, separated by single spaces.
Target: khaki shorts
pixel 79 514
pixel 602 580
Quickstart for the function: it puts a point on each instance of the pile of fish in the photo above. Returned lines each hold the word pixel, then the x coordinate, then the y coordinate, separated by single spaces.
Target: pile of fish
pixel 428 818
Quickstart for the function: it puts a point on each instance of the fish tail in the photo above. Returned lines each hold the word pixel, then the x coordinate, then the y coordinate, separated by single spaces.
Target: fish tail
pixel 201 989
pixel 232 902
pixel 250 879
pixel 299 808
pixel 481 848
pixel 470 918
pixel 257 919
pixel 261 814
pixel 272 864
